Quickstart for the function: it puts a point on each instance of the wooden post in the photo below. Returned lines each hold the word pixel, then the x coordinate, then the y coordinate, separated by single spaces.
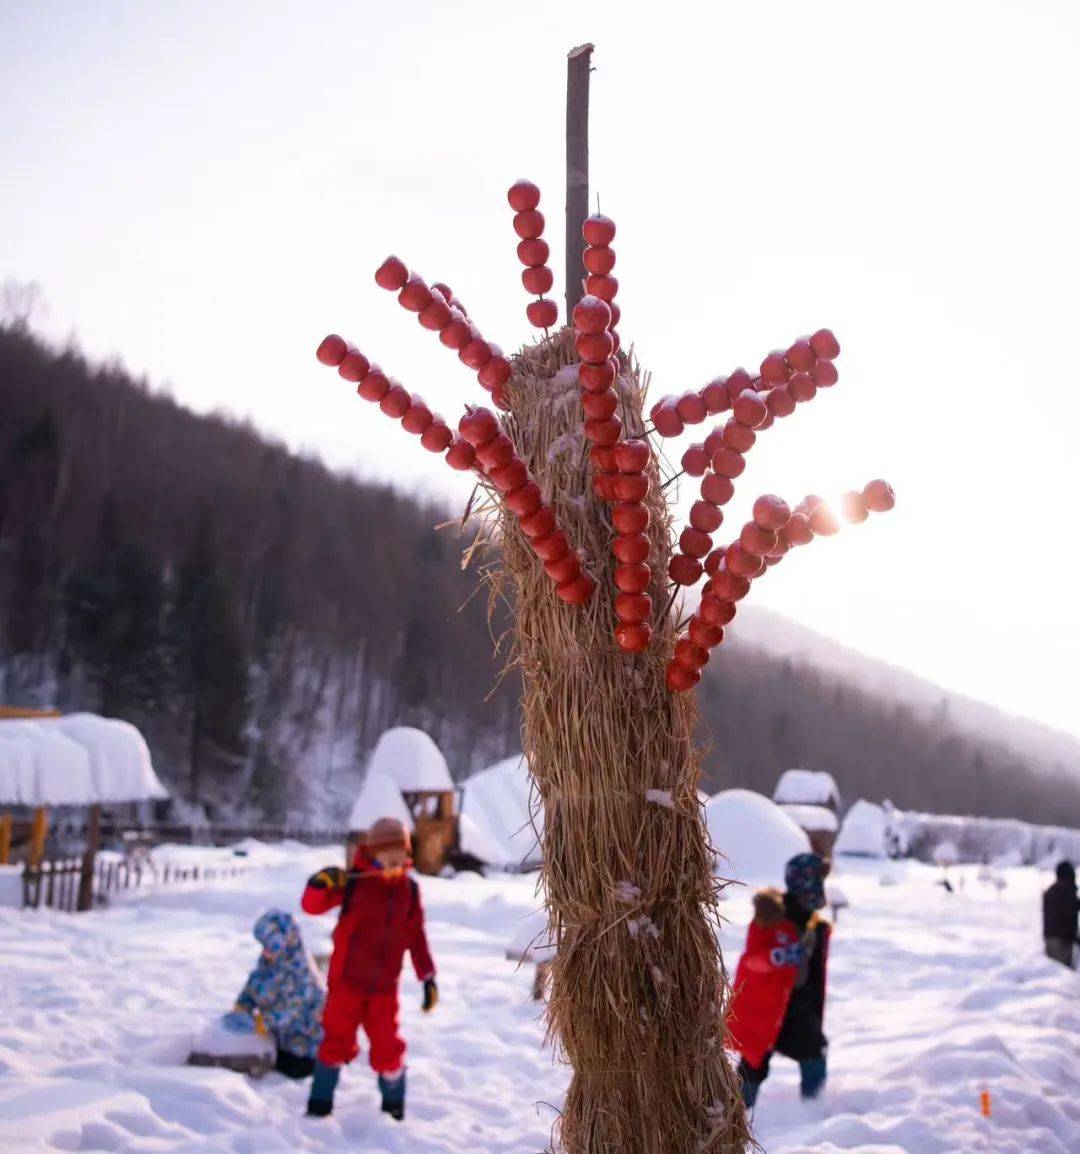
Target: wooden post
pixel 577 168
pixel 5 838
pixel 37 837
pixel 86 876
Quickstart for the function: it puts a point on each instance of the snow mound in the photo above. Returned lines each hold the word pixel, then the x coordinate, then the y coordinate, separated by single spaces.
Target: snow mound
pixel 40 765
pixel 532 940
pixel 496 816
pixel 411 759
pixel 863 831
pixel 379 797
pixel 806 787
pixel 754 835
pixel 215 1039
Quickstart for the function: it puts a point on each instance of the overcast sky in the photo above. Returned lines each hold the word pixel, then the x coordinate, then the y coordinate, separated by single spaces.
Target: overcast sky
pixel 204 190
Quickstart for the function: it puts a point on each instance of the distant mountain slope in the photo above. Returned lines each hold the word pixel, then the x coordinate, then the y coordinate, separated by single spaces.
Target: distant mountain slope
pixel 264 619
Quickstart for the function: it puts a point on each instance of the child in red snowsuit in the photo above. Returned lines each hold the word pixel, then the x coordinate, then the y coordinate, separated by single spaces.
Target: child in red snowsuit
pixel 778 1002
pixel 381 917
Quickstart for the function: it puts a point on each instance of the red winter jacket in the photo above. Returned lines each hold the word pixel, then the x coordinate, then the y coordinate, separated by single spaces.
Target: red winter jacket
pixel 767 973
pixel 381 918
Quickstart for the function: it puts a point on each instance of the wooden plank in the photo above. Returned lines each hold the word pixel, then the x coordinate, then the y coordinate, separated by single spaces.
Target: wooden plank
pixel 86 875
pixel 5 838
pixel 38 831
pixel 577 168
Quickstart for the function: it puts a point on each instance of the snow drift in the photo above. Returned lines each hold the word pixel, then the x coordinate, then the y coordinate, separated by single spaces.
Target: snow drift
pixel 497 826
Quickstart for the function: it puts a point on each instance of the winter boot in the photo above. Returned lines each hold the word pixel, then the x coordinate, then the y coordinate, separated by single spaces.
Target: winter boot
pixel 392 1088
pixel 323 1083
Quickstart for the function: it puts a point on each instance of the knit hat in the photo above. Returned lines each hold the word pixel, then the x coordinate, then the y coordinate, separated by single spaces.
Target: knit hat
pixel 387 833
pixel 804 877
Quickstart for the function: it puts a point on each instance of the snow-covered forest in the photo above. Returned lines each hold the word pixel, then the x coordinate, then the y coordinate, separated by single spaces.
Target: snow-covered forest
pixel 263 620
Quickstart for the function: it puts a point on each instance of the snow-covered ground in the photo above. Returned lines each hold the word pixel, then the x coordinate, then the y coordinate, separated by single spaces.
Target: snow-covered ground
pixel 935 997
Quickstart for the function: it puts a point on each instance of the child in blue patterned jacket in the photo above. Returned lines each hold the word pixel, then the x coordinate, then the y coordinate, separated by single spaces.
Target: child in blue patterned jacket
pixel 283 995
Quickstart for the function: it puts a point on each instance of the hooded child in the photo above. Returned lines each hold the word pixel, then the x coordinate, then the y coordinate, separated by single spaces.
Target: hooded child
pixel 381 918
pixel 283 995
pixel 778 1004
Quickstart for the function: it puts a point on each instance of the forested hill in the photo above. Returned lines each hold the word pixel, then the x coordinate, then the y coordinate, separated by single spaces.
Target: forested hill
pixel 263 619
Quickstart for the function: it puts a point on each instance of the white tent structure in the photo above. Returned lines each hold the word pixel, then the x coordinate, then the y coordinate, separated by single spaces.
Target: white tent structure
pixel 497 824
pixel 411 760
pixel 807 787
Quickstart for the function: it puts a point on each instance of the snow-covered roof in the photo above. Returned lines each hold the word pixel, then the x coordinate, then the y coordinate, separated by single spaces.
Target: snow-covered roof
pixel 806 787
pixel 754 835
pixel 812 818
pixel 863 831
pixel 380 796
pixel 497 824
pixel 411 759
pixel 80 759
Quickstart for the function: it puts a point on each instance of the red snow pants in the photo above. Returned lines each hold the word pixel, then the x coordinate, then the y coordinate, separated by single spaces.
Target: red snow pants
pixel 346 1010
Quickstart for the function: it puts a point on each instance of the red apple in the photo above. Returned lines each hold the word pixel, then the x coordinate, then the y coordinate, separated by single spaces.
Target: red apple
pixel 525 499
pixel 728 463
pixel 331 350
pixel 594 347
pixel 633 578
pixel 630 519
pixel 633 606
pixel 700 632
pixel 801 387
pixel 534 252
pixel 551 547
pixel 706 516
pixel 679 679
pixel 417 417
pixel 716 396
pixel 564 568
pixel 598 260
pixel 598 230
pixel 538 524
pixel 509 476
pixel 738 383
pixel 542 315
pixel 461 455
pixel 603 486
pixel 604 458
pixel 578 591
pixel 780 402
pixel 631 456
pixel 391 274
pixel 633 636
pixel 538 280
pixel 529 224
pixel 496 452
pixel 523 196
pixel 596 378
pixel 825 345
pixel 879 496
pixel 495 372
pixel 415 295
pixel 801 355
pixel 716 611
pixel 632 549
pixel 666 419
pixel 599 406
pixel 756 541
pixel 717 489
pixel 695 461
pixel 740 563
pixel 630 486
pixel 396 401
pixel 591 315
pixel 774 369
pixel 736 436
pixel 824 374
pixel 749 409
pixel 605 432
pixel 797 531
pixel 353 366
pixel 437 437
pixel 691 408
pixel 478 426
pixel 604 287
pixel 684 570
pixel 694 543
pixel 689 655
pixel 823 521
pixel 853 507
pixel 771 512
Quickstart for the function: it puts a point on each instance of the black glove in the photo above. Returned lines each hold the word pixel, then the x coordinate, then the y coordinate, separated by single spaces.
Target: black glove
pixel 431 996
pixel 328 878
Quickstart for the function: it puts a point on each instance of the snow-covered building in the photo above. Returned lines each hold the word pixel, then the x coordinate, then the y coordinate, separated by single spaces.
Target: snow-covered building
pixel 497 825
pixel 407 777
pixel 810 798
pixel 51 761
pixel 753 836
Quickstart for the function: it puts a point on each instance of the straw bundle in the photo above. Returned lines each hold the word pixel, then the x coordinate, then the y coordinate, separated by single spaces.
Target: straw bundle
pixel 638 984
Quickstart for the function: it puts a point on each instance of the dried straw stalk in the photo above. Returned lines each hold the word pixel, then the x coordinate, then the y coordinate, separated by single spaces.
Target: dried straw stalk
pixel 638 984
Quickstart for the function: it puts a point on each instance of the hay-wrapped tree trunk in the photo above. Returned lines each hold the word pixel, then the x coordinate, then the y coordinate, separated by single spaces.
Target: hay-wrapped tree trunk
pixel 638 985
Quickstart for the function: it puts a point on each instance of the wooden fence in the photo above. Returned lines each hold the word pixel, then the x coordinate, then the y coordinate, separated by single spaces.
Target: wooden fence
pixel 68 885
